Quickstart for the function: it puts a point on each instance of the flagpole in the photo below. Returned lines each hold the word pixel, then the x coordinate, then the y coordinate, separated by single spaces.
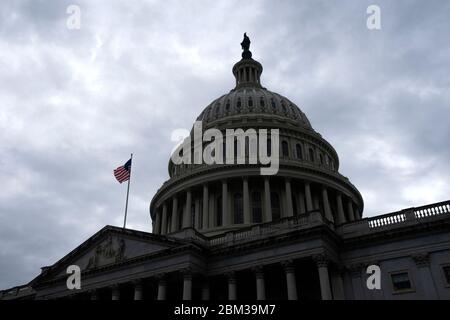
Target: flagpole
pixel 128 192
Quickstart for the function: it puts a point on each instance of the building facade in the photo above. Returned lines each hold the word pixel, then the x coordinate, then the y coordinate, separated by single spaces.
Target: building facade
pixel 226 232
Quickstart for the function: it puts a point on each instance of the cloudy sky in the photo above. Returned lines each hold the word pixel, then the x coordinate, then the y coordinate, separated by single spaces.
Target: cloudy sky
pixel 74 103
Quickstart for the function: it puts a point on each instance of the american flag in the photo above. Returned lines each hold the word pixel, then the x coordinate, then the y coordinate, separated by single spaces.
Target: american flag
pixel 122 173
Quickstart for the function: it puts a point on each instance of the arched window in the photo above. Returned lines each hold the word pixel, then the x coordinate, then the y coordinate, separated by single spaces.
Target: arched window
pixel 238 209
pixel 256 207
pixel 261 102
pixel 275 202
pixel 321 159
pixel 285 148
pixel 298 150
pixel 219 211
pixel 273 103
pixel 311 154
pixel 238 105
pixel 217 109
pixel 250 102
pixel 283 105
pixel 227 106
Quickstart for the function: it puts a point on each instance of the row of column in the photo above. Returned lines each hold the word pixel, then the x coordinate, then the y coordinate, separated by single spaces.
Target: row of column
pixel 305 202
pixel 115 291
pixel 288 267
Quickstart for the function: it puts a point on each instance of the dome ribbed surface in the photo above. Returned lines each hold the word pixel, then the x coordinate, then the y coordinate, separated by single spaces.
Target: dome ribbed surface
pixel 253 101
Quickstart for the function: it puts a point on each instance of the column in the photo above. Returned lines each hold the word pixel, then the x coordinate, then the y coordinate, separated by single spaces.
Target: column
pixel 197 214
pixel 340 209
pixel 115 292
pixel 301 200
pixel 158 222
pixel 205 207
pixel 187 219
pixel 260 285
pixel 225 216
pixel 232 293
pixel 337 284
pixel 162 287
pixel 247 216
pixel 357 213
pixel 322 267
pixel 291 283
pixel 422 261
pixel 309 203
pixel 351 214
pixel 137 289
pixel 164 219
pixel 93 294
pixel 174 225
pixel 205 289
pixel 326 205
pixel 358 284
pixel 289 209
pixel 267 202
pixel 187 284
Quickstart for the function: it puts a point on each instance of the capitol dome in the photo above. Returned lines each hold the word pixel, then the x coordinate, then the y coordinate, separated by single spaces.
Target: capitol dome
pixel 218 198
pixel 254 100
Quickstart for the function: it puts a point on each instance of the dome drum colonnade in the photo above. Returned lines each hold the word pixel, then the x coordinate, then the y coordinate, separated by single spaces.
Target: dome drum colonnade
pixel 249 200
pixel 219 198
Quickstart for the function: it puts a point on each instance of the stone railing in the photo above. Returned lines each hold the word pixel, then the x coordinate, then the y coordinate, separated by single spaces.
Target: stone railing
pixel 392 220
pixel 264 229
pixel 410 214
pixel 364 226
pixel 432 210
pixel 386 219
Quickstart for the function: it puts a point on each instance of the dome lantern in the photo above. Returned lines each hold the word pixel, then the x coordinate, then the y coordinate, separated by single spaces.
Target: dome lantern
pixel 247 71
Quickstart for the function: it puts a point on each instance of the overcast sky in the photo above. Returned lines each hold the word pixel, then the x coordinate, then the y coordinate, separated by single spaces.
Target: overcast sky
pixel 75 103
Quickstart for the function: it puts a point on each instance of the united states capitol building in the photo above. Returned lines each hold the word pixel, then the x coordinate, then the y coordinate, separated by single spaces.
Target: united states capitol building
pixel 226 232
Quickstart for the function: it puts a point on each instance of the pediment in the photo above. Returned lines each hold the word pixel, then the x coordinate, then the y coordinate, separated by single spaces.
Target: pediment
pixel 115 248
pixel 109 246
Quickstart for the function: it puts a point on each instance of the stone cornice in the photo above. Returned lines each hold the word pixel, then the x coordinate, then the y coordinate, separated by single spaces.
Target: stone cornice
pixel 402 231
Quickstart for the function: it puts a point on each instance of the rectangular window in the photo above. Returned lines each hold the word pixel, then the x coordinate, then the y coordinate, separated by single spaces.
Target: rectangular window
pixel 401 282
pixel 446 270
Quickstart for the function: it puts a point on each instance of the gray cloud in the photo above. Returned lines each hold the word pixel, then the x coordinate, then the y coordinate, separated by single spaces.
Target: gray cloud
pixel 75 103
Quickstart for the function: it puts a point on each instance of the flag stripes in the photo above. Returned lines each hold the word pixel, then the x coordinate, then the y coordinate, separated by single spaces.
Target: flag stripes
pixel 122 173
